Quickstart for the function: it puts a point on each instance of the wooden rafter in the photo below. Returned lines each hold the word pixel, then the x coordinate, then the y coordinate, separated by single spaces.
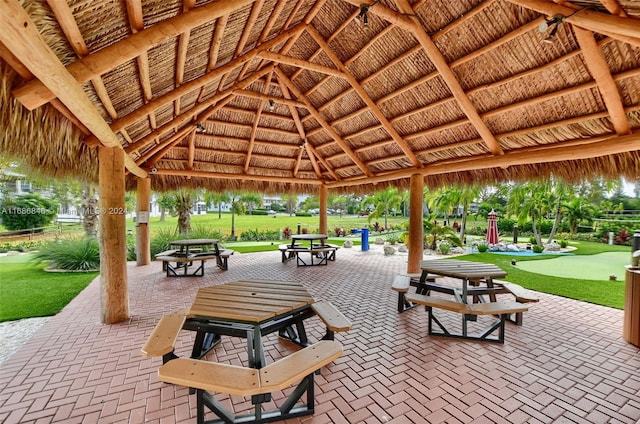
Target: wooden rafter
pixel 614 7
pixel 34 94
pixel 615 26
pixel 190 86
pixel 597 65
pixel 201 112
pixel 366 98
pixel 262 96
pixel 20 35
pixel 256 122
pixel 311 153
pixel 299 63
pixel 296 92
pixel 25 74
pixel 136 22
pixel 230 176
pixel 566 151
pixel 410 23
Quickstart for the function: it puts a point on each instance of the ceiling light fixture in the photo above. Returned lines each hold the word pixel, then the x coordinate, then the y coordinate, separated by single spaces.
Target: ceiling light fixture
pixel 364 13
pixel 303 144
pixel 272 105
pixel 554 22
pixel 200 129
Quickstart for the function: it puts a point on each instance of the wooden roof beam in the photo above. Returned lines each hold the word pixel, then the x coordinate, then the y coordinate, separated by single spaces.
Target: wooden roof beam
pixel 22 70
pixel 200 82
pixel 21 37
pixel 229 176
pixel 296 92
pixel 311 153
pixel 558 152
pixel 366 98
pixel 34 94
pixel 621 28
pixel 201 112
pixel 136 22
pixel 299 63
pixel 262 96
pixel 408 21
pixel 256 122
pixel 597 66
pixel 614 7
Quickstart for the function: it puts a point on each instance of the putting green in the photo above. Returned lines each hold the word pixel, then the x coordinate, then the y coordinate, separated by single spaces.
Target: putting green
pixel 582 267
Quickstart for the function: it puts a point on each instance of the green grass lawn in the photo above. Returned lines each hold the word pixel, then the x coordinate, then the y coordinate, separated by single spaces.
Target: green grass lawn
pixel 598 291
pixel 265 222
pixel 27 291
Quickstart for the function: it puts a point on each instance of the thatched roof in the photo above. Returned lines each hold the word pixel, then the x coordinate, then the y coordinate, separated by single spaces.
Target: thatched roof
pixel 287 95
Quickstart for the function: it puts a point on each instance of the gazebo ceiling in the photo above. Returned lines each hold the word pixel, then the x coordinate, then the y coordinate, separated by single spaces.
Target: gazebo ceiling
pixel 288 95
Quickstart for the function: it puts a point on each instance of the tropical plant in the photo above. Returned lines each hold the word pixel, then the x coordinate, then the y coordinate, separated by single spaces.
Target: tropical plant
pixel 184 201
pixel 211 198
pixel 27 211
pixel 167 203
pixel 577 210
pixel 71 255
pixel 384 202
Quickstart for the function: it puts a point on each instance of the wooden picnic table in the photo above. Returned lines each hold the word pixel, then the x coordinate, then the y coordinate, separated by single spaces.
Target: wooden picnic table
pixel 250 309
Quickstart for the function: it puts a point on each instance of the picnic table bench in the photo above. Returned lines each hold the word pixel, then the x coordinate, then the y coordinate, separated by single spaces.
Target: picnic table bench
pixel 206 377
pixel 184 262
pixel 502 309
pixel 322 254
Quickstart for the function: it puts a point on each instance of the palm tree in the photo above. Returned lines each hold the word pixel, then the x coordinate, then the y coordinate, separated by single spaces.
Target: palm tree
pixel 184 201
pixel 577 209
pixel 212 198
pixel 167 203
pixel 384 202
pixel 527 201
pixel 291 200
pixel 251 200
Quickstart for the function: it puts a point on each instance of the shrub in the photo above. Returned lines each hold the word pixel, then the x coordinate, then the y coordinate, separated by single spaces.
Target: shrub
pixel 71 255
pixel 161 240
pixel 27 211
pixel 286 233
pixel 537 249
pixel 564 243
pixel 483 247
pixel 444 247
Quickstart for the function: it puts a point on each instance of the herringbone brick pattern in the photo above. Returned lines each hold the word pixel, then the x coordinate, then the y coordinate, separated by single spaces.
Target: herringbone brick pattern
pixel 568 363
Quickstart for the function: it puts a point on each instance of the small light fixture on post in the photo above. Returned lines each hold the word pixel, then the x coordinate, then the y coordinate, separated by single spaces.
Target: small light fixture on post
pixel 553 22
pixel 200 129
pixel 272 105
pixel 303 144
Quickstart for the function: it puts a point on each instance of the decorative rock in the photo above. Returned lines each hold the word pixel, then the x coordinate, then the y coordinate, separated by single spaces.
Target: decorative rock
pixel 379 240
pixel 13 253
pixel 402 248
pixel 388 250
pixel 347 244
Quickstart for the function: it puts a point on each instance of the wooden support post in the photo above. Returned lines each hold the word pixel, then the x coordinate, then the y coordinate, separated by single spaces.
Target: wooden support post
pixel 114 293
pixel 143 244
pixel 631 319
pixel 323 209
pixel 416 232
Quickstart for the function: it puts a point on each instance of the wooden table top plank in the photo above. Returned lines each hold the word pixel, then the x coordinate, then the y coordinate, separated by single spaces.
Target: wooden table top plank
pixel 264 285
pixel 239 304
pixel 246 315
pixel 253 300
pixel 249 301
pixel 275 302
pixel 266 295
pixel 462 269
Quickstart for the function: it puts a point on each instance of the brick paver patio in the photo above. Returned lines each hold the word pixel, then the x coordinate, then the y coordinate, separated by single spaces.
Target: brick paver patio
pixel 567 363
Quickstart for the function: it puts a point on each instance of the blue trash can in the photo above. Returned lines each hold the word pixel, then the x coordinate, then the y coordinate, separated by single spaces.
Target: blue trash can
pixel 364 237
